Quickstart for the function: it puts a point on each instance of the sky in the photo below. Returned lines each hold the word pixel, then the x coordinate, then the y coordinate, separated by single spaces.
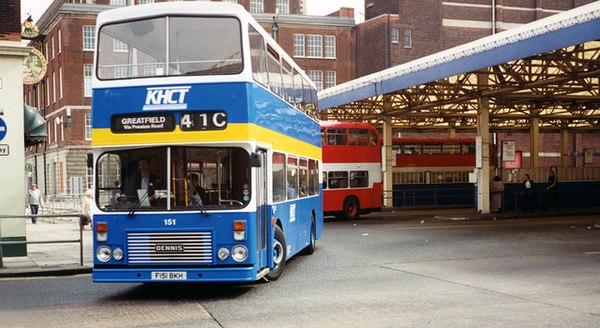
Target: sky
pixel 314 7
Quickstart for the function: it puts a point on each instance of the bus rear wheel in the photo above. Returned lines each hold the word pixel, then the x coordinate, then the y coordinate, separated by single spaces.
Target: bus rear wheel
pixel 308 250
pixel 351 208
pixel 279 255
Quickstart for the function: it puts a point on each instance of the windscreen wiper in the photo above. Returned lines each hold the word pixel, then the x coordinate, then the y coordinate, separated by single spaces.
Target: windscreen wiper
pixel 138 204
pixel 143 198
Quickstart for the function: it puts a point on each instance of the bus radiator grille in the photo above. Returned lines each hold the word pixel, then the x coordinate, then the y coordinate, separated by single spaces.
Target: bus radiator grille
pixel 169 247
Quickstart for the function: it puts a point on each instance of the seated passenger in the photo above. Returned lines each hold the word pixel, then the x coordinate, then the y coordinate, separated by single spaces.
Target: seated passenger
pixel 197 194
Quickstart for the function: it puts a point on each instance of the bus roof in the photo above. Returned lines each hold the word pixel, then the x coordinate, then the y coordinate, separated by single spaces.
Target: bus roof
pixel 128 13
pixel 347 125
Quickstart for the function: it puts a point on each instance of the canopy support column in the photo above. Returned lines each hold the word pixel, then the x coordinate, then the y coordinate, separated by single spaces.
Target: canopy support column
pixel 534 133
pixel 483 149
pixel 388 192
pixel 564 145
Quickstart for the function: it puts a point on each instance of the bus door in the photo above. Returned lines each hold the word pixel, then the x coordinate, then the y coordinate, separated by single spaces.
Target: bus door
pixel 262 213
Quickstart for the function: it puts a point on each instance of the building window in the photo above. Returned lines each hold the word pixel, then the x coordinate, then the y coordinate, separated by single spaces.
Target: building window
pixel 59 41
pixel 407 38
pixel 60 83
pixel 330 46
pixel 395 35
pixel 121 72
pixel 283 7
pixel 314 46
pixel 46 53
pixel 143 2
pixel 298 45
pixel 52 46
pixel 53 87
pixel 317 78
pixel 120 46
pixel 88 126
pixel 119 3
pixel 87 80
pixel 256 6
pixel 232 1
pixel 330 77
pixel 48 91
pixel 89 38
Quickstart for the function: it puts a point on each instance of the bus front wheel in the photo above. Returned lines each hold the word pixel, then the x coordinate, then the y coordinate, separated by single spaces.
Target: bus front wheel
pixel 279 255
pixel 351 208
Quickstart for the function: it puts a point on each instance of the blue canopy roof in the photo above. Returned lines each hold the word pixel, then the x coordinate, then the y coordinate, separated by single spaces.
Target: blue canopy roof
pixel 569 28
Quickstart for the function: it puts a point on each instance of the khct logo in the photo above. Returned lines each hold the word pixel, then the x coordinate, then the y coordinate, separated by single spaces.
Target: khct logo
pixel 166 98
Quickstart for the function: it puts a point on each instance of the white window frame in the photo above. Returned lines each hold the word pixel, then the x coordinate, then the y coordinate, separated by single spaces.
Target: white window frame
pixel 48 91
pixel 407 38
pixel 87 80
pixel 143 2
pixel 88 126
pixel 395 37
pixel 330 79
pixel 89 37
pixel 299 45
pixel 59 40
pixel 330 46
pixel 282 7
pixel 119 3
pixel 120 46
pixel 60 82
pixel 317 77
pixel 314 46
pixel 52 47
pixel 53 87
pixel 257 6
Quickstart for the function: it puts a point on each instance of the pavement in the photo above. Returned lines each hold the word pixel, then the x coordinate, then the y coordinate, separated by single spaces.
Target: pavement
pixel 52 259
pixel 55 259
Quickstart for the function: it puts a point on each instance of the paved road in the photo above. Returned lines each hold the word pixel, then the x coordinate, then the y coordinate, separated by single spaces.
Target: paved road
pixel 381 271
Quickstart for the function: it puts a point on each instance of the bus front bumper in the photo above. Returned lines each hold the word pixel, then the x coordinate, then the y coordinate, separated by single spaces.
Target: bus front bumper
pixel 174 275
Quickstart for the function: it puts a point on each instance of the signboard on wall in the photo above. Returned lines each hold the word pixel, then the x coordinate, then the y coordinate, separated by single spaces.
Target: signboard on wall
pixel 508 150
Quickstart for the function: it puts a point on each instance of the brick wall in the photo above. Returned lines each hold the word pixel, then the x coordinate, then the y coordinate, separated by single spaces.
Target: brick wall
pixel 10 16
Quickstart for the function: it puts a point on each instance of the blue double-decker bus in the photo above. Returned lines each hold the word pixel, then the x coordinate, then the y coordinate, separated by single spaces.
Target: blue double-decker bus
pixel 206 147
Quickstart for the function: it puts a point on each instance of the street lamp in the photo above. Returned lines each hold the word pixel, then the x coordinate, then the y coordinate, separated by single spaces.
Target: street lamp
pixel 274 28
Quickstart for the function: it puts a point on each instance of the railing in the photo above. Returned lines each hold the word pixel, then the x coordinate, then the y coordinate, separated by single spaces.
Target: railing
pixel 80 240
pixel 447 175
pixel 62 204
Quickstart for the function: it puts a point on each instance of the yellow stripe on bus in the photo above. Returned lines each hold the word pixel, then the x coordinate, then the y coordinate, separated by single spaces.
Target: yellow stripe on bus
pixel 234 132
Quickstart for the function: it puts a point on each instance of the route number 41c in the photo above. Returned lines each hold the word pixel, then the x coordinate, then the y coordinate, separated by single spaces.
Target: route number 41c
pixel 198 121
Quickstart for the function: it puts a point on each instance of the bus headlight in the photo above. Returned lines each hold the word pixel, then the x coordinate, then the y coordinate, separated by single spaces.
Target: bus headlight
pixel 103 253
pixel 239 253
pixel 223 254
pixel 118 254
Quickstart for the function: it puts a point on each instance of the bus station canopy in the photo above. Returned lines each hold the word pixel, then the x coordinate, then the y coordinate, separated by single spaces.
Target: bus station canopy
pixel 549 69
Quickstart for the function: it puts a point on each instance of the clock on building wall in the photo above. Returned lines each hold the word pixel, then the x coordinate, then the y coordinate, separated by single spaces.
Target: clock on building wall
pixel 34 67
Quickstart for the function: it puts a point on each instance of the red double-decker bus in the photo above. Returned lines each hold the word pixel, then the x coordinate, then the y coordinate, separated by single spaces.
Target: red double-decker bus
pixel 352 183
pixel 434 152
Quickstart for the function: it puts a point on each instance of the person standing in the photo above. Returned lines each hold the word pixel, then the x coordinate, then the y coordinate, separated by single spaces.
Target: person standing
pixel 497 188
pixel 35 201
pixel 528 194
pixel 88 202
pixel 551 191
